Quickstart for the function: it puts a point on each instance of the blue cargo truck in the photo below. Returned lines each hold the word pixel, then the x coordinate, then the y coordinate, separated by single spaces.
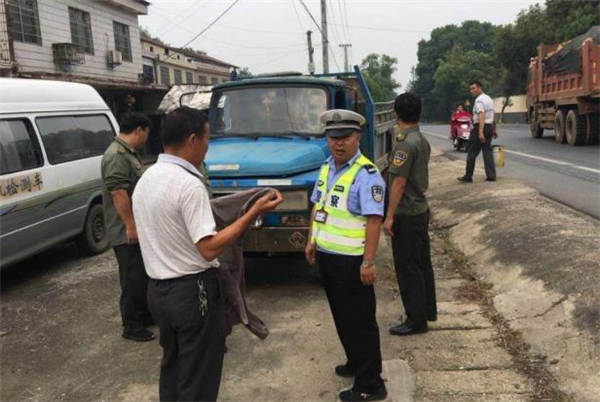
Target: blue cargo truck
pixel 265 132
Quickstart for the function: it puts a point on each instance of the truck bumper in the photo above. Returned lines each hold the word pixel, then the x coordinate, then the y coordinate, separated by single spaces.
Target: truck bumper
pixel 275 240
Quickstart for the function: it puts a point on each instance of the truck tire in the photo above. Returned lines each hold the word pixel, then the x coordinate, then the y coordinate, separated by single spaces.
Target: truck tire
pixel 592 129
pixel 559 127
pixel 537 131
pixel 575 128
pixel 94 238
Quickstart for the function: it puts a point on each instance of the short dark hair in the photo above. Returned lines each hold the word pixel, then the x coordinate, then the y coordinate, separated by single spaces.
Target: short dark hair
pixel 132 120
pixel 180 123
pixel 408 107
pixel 478 83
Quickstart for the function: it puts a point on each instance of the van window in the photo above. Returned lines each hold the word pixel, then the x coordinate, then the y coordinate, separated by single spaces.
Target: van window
pixel 19 148
pixel 69 138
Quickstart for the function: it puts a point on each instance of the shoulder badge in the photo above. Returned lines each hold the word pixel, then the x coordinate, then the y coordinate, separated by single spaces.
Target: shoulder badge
pixel 120 149
pixel 371 169
pixel 399 158
pixel 377 193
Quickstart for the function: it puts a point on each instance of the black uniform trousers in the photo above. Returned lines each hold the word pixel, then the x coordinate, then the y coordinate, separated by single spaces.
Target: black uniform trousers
pixel 353 308
pixel 189 312
pixel 134 285
pixel 412 260
pixel 476 146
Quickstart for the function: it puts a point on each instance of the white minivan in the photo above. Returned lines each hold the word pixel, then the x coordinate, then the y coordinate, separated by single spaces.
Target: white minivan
pixel 52 137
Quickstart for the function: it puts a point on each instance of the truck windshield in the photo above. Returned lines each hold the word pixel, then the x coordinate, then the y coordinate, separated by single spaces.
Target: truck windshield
pixel 268 111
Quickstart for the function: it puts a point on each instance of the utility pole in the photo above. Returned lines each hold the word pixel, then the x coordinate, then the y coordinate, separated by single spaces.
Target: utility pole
pixel 346 65
pixel 325 39
pixel 311 50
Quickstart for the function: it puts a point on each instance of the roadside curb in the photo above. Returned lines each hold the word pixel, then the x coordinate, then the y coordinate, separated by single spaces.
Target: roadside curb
pixel 541 259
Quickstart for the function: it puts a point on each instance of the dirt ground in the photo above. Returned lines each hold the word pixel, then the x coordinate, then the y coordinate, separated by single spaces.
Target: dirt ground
pixel 60 339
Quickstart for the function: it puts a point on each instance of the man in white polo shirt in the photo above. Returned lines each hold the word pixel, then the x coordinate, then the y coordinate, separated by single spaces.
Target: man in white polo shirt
pixel 180 246
pixel 484 129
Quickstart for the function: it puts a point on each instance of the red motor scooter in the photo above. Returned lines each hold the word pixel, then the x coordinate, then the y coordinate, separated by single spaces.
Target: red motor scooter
pixel 460 130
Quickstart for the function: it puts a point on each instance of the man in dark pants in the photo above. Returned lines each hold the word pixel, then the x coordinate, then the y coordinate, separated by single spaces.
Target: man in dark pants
pixel 345 226
pixel 407 218
pixel 121 169
pixel 484 129
pixel 180 246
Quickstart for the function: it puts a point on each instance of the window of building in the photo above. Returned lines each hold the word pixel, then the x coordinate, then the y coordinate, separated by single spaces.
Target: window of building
pixel 167 52
pixel 148 72
pixel 70 138
pixel 202 79
pixel 24 21
pixel 178 76
pixel 178 57
pixel 189 77
pixel 19 147
pixel 214 80
pixel 81 29
pixel 122 40
pixel 152 49
pixel 224 80
pixel 165 77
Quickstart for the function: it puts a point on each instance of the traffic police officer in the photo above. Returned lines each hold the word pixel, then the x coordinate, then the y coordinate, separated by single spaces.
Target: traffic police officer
pixel 345 226
pixel 407 218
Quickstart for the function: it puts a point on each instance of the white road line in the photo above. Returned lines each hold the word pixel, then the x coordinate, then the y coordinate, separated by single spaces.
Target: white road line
pixel 508 151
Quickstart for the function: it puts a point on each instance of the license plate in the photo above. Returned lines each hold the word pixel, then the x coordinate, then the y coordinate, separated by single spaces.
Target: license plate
pixel 464 126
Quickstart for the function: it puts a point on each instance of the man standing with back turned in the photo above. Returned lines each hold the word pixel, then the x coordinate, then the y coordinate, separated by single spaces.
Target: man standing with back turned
pixel 407 218
pixel 121 169
pixel 180 246
pixel 484 128
pixel 345 226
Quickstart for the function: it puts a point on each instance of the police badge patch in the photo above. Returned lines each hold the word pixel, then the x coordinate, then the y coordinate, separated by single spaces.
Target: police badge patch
pixel 399 158
pixel 377 193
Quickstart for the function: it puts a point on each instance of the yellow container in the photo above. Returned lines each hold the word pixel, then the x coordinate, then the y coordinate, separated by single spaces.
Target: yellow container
pixel 498 155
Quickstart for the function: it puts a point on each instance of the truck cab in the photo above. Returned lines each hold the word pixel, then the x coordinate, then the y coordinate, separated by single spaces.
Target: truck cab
pixel 265 132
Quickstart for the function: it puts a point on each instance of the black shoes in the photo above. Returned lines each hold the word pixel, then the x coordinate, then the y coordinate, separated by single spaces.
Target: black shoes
pixel 490 179
pixel 464 179
pixel 344 371
pixel 138 334
pixel 351 395
pixel 408 328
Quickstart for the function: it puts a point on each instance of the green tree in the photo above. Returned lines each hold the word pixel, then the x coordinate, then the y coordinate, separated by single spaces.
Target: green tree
pixel 378 70
pixel 568 19
pixel 144 33
pixel 244 72
pixel 453 75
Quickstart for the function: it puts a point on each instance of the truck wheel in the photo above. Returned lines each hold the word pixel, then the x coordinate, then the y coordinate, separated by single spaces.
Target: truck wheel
pixel 575 128
pixel 592 132
pixel 559 127
pixel 94 238
pixel 537 131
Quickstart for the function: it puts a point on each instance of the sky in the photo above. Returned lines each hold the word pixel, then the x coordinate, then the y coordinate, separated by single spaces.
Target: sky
pixel 270 35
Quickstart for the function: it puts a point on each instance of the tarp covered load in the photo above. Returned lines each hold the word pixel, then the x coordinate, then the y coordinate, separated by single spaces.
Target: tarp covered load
pixel 194 96
pixel 566 59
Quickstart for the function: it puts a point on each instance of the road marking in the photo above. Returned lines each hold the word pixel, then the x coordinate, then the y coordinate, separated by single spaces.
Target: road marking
pixel 571 165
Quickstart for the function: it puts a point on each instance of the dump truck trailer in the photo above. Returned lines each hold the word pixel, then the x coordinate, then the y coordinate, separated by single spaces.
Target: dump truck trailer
pixel 563 91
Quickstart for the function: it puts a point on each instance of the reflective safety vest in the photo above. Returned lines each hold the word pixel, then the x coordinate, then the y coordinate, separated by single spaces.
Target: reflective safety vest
pixel 338 230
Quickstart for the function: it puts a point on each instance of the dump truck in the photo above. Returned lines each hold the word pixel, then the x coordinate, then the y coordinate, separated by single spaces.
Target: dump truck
pixel 563 90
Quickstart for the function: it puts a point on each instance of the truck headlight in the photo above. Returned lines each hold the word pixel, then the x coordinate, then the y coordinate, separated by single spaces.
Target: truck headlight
pixel 294 201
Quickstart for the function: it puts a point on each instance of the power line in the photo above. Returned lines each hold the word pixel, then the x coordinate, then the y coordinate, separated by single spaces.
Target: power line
pixel 319 28
pixel 187 16
pixel 388 29
pixel 208 27
pixel 172 20
pixel 297 15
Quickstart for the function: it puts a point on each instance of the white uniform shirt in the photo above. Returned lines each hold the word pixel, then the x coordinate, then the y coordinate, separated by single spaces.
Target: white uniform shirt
pixel 172 213
pixel 485 104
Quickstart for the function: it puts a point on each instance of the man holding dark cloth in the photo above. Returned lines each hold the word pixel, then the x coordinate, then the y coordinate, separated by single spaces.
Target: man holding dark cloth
pixel 345 226
pixel 484 129
pixel 121 169
pixel 180 246
pixel 407 218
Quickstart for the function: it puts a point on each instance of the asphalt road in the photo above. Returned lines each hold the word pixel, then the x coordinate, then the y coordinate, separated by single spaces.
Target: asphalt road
pixel 569 175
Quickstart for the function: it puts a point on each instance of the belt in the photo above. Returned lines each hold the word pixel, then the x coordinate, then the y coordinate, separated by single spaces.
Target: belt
pixel 192 277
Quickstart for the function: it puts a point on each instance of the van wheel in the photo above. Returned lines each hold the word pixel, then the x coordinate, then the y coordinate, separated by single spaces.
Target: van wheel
pixel 592 135
pixel 94 238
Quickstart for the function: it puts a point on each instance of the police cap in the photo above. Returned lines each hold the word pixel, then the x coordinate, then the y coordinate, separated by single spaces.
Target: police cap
pixel 341 122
